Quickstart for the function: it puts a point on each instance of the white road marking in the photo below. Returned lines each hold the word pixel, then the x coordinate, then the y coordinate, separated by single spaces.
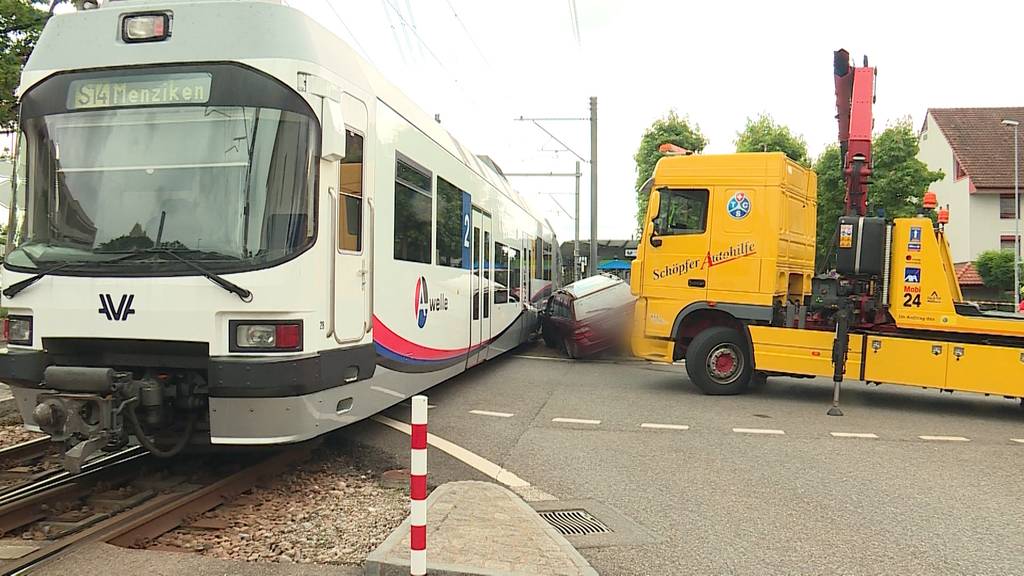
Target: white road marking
pixel 758 431
pixel 478 462
pixel 664 426
pixel 945 438
pixel 552 358
pixel 489 413
pixel 575 421
pixel 1017 440
pixel 388 392
pixel 853 435
pixel 619 361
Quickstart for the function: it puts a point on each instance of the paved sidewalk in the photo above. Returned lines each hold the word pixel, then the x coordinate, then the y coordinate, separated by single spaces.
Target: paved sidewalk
pixel 480 528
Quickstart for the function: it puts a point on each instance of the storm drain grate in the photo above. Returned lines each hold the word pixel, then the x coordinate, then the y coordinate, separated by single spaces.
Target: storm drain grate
pixel 574 522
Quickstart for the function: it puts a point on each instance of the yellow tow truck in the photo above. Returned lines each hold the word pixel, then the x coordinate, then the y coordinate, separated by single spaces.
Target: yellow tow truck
pixel 724 276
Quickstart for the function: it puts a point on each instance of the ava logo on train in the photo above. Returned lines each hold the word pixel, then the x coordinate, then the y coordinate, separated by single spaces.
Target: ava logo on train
pixel 424 303
pixel 738 206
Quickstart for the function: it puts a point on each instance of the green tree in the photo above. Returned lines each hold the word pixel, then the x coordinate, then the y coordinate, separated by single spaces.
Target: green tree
pixel 671 129
pixel 21 21
pixel 898 182
pixel 996 269
pixel 762 134
pixel 831 195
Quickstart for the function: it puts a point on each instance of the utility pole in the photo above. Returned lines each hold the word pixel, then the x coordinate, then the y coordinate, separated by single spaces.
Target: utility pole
pixel 592 260
pixel 1016 213
pixel 576 240
pixel 592 264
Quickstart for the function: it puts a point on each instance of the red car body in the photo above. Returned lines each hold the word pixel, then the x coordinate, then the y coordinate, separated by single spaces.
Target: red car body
pixel 588 317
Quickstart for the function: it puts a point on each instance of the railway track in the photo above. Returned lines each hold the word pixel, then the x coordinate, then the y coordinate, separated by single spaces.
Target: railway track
pixel 113 502
pixel 26 463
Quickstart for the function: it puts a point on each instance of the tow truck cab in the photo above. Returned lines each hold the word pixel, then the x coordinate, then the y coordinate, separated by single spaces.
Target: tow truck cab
pixel 728 239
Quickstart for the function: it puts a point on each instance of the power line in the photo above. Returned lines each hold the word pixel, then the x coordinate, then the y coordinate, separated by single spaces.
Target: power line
pixel 422 41
pixel 574 16
pixel 355 39
pixel 468 34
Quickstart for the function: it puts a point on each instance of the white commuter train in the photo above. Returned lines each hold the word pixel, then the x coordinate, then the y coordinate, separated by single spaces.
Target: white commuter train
pixel 229 228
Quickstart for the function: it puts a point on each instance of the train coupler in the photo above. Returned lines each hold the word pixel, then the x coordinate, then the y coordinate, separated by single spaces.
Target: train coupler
pixel 88 411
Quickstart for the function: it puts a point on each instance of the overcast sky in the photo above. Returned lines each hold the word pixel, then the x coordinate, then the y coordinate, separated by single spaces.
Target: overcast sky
pixel 481 63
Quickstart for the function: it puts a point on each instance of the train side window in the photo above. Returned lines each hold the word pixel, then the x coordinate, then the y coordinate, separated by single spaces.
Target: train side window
pixel 514 275
pixel 537 267
pixel 449 240
pixel 547 261
pixel 350 207
pixel 476 271
pixel 487 274
pixel 506 274
pixel 682 212
pixel 413 210
pixel 528 292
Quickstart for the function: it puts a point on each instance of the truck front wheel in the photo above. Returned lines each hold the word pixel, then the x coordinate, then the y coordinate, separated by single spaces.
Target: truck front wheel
pixel 719 362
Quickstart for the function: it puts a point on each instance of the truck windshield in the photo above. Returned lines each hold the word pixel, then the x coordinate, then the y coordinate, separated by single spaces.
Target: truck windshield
pixel 231 186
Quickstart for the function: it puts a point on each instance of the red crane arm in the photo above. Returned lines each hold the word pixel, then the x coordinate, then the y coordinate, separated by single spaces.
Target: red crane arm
pixel 855 94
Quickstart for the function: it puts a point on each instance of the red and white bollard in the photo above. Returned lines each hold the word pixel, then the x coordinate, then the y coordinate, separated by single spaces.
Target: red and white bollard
pixel 418 489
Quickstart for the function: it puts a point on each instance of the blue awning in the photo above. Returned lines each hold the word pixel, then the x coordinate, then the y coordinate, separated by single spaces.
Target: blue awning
pixel 613 265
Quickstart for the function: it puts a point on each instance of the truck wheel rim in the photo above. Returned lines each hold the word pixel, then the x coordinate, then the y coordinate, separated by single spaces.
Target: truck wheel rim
pixel 725 363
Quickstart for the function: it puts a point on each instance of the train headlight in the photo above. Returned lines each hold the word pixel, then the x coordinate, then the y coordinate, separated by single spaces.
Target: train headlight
pixel 151 27
pixel 18 330
pixel 274 336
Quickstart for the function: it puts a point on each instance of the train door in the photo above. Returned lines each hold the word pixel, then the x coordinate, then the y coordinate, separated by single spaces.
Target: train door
pixel 480 328
pixel 351 294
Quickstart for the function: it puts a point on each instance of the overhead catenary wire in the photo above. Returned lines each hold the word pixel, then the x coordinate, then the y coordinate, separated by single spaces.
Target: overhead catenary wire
pixel 422 41
pixel 574 17
pixel 359 45
pixel 469 35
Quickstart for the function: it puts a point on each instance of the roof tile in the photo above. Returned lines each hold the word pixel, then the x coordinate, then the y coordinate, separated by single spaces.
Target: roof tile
pixel 967 274
pixel 984 147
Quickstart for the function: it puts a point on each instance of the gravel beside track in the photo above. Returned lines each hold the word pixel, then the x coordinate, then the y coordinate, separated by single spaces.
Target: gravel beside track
pixel 15 434
pixel 331 509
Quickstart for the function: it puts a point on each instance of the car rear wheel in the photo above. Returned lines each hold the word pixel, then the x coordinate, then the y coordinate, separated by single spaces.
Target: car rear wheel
pixel 549 340
pixel 719 362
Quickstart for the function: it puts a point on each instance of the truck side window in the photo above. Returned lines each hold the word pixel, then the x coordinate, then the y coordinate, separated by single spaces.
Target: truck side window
pixel 682 212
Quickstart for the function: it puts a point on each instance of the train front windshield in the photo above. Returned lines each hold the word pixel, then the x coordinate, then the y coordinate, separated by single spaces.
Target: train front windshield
pixel 150 162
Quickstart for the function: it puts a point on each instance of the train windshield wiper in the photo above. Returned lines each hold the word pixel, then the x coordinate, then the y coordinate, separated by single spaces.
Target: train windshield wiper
pixel 243 294
pixel 13 290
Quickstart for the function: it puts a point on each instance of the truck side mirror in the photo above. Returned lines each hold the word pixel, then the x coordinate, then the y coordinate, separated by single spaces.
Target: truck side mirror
pixel 653 205
pixel 653 211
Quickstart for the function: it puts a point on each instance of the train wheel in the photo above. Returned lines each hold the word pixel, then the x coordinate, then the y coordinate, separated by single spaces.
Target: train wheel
pixel 718 361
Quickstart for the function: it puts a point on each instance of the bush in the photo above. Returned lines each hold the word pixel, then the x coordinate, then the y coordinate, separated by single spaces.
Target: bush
pixel 996 269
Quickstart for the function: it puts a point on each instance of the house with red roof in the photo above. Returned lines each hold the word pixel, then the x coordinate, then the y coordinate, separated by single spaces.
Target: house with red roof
pixel 975 152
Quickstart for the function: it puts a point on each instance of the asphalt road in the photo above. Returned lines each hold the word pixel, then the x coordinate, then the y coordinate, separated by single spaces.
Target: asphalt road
pixel 713 500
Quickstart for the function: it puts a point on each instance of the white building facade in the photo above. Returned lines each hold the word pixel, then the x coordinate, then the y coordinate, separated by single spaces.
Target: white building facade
pixel 975 153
